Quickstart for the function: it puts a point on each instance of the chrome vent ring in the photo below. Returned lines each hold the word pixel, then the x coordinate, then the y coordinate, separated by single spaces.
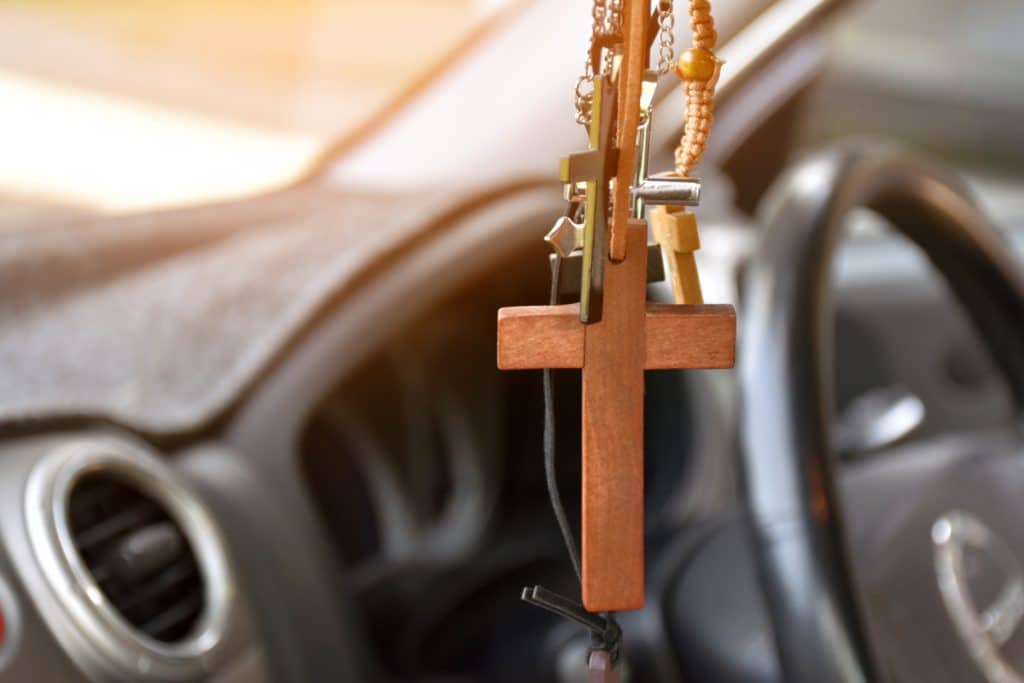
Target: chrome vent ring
pixel 85 617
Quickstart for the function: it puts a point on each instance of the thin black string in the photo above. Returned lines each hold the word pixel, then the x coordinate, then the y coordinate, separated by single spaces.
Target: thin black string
pixel 550 473
pixel 549 442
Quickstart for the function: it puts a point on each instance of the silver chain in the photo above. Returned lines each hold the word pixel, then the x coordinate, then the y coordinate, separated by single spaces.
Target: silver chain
pixel 585 83
pixel 607 20
pixel 613 25
pixel 666 36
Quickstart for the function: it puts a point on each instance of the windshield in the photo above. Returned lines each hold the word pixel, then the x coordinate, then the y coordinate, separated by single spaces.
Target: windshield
pixel 113 106
pixel 123 105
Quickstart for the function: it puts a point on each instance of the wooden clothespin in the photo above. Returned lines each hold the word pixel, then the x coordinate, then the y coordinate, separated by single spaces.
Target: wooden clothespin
pixel 675 229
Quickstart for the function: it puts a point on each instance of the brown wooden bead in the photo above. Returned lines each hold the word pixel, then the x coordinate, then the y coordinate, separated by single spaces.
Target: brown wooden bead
pixel 696 64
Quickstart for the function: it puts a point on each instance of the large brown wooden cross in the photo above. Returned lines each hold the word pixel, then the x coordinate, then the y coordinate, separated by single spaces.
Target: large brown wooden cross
pixel 631 336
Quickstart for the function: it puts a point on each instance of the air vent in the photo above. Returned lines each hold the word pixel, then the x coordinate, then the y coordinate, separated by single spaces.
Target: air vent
pixel 138 556
pixel 140 580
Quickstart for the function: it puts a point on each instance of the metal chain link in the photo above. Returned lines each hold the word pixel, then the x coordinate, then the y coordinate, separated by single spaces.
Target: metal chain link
pixel 607 20
pixel 666 36
pixel 585 83
pixel 613 25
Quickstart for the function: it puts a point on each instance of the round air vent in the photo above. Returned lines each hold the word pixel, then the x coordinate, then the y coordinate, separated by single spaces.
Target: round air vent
pixel 138 555
pixel 134 560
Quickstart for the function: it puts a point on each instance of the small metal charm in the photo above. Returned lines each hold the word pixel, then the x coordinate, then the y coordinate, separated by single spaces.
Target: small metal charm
pixel 668 189
pixel 665 188
pixel 643 137
pixel 565 237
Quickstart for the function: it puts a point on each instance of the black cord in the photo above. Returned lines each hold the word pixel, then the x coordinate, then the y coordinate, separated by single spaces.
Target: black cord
pixel 549 443
pixel 605 632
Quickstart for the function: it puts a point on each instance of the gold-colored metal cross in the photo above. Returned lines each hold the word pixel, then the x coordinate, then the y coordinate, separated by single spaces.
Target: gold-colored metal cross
pixel 596 167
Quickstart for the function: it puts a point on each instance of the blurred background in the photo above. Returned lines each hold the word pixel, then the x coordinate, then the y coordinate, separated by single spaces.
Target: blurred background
pixel 390 436
pixel 113 106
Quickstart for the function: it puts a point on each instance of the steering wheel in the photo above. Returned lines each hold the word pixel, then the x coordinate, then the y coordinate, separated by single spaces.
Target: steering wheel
pixel 811 565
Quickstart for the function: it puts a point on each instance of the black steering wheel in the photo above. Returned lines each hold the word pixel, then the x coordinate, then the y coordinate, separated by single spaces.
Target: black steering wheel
pixel 809 568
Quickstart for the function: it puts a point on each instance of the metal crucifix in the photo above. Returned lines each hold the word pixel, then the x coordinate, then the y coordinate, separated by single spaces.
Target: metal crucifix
pixel 614 334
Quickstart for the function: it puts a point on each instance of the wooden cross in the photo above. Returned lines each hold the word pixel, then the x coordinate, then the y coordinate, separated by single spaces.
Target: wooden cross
pixel 631 336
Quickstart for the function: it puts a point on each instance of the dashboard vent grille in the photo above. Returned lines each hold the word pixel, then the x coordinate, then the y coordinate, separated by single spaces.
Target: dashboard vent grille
pixel 138 555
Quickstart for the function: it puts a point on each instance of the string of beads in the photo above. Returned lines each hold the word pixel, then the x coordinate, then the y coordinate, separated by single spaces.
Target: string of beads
pixel 699 68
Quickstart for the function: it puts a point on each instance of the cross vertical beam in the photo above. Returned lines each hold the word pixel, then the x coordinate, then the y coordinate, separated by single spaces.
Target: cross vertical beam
pixel 635 15
pixel 612 545
pixel 613 435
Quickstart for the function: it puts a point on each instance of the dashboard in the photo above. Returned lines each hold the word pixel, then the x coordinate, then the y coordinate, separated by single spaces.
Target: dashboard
pixel 382 519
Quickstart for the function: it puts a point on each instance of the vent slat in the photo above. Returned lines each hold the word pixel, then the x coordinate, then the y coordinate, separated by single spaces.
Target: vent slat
pixel 164 599
pixel 113 527
pixel 171 620
pixel 161 583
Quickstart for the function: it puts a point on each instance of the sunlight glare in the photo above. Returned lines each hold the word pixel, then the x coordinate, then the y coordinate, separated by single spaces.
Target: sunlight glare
pixel 110 153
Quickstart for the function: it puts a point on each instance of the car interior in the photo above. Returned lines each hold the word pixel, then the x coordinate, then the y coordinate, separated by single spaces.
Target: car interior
pixel 264 437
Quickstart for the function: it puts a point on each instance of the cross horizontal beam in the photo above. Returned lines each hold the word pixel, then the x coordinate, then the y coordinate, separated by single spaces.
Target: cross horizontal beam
pixel 698 337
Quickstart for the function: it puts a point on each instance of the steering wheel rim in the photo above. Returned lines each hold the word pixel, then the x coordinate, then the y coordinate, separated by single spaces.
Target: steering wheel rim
pixel 787 378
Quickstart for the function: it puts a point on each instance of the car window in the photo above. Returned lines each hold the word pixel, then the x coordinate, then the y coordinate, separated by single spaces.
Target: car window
pixel 122 105
pixel 940 74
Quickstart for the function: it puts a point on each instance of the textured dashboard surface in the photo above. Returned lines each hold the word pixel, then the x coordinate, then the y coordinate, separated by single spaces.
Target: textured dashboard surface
pixel 215 292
